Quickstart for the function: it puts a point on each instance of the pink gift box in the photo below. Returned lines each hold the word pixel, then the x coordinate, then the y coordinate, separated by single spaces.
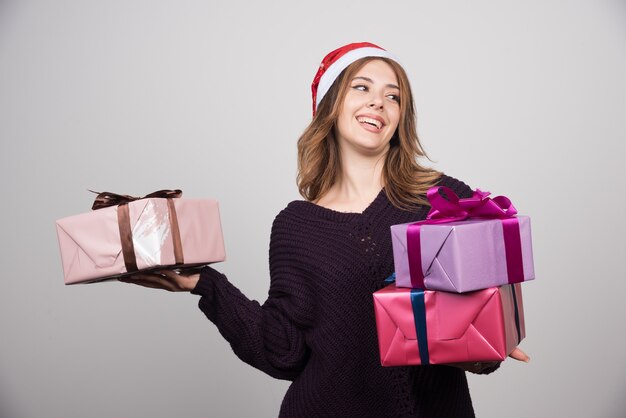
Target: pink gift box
pixel 432 327
pixel 91 247
pixel 466 255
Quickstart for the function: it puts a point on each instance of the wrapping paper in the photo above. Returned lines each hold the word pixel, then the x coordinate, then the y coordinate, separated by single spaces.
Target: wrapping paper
pixel 419 327
pixel 465 255
pixel 91 247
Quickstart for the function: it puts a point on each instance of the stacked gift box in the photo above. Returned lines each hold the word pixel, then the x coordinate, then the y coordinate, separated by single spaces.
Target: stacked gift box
pixel 457 292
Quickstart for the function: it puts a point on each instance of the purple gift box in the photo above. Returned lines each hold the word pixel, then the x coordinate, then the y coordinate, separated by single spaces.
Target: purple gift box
pixel 460 249
pixel 462 256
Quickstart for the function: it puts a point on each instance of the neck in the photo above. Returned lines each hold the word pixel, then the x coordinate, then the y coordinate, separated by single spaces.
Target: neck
pixel 360 177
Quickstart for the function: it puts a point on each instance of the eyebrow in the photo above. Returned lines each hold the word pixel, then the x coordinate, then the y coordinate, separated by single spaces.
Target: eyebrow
pixel 393 86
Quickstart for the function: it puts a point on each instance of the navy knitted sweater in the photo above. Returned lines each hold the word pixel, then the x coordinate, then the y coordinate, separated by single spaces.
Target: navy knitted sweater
pixel 317 326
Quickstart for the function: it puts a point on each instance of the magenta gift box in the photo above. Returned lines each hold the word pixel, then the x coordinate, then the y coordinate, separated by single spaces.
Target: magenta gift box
pixel 419 327
pixel 187 234
pixel 463 256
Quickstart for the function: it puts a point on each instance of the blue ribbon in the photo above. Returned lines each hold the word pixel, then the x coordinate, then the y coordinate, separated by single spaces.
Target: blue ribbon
pixel 391 278
pixel 419 314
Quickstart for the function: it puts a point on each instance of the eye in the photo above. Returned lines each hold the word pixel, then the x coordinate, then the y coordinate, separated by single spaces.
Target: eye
pixel 360 87
pixel 394 97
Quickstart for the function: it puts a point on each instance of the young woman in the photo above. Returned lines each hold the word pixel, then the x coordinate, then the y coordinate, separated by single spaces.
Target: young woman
pixel 359 174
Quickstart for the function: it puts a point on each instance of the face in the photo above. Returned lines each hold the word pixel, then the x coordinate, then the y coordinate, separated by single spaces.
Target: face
pixel 371 109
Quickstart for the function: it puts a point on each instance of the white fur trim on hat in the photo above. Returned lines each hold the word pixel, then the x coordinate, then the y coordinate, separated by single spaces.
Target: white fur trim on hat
pixel 333 71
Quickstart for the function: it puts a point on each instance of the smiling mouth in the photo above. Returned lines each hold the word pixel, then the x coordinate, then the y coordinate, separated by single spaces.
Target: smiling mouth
pixel 369 121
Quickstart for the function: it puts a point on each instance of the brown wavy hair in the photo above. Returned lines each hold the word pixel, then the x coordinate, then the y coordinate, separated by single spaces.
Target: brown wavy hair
pixel 319 164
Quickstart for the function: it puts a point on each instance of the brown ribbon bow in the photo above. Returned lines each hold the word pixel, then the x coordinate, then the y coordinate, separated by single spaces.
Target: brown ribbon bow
pixel 106 199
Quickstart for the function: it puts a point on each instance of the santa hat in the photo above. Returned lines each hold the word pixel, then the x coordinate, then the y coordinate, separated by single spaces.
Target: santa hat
pixel 338 60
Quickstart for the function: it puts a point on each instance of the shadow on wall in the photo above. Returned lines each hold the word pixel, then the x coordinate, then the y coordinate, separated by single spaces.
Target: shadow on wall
pixel 5 409
pixel 618 409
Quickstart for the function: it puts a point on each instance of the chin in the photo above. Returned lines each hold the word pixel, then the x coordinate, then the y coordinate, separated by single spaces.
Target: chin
pixel 373 147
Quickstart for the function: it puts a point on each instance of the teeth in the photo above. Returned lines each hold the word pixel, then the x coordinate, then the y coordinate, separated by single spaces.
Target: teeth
pixel 372 122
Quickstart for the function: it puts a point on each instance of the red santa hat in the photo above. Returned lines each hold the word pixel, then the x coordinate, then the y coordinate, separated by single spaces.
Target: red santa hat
pixel 338 60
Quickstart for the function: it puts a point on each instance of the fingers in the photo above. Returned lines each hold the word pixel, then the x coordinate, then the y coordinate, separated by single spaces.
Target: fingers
pixel 154 281
pixel 184 282
pixel 164 279
pixel 170 274
pixel 519 355
pixel 144 283
pixel 478 367
pixel 489 366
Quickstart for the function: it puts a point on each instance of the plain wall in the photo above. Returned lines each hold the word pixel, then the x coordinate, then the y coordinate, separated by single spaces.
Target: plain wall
pixel 526 99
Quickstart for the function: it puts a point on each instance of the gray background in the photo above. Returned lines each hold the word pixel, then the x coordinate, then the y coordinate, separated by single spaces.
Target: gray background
pixel 525 99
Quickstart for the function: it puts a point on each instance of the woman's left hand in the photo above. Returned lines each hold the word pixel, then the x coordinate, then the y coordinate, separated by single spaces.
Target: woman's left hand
pixel 482 367
pixel 479 367
pixel 169 280
pixel 519 355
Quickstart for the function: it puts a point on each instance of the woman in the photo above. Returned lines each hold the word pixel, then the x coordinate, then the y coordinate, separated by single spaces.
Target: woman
pixel 330 252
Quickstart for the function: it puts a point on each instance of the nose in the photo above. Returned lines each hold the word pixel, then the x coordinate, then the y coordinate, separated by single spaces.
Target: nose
pixel 375 100
pixel 375 103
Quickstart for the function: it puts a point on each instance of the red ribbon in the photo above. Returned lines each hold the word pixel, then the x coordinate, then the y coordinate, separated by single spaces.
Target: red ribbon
pixel 447 207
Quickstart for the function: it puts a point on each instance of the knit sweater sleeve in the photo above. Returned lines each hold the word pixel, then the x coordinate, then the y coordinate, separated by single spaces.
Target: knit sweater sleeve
pixel 461 189
pixel 268 336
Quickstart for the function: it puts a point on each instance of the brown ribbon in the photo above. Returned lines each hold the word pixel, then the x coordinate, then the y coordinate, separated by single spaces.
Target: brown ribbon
pixel 106 199
pixel 126 237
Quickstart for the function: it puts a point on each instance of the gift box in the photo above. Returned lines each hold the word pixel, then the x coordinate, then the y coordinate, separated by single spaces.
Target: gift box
pixel 125 234
pixel 464 245
pixel 420 327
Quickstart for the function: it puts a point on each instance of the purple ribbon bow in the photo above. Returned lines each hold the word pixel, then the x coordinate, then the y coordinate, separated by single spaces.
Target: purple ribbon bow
pixel 445 204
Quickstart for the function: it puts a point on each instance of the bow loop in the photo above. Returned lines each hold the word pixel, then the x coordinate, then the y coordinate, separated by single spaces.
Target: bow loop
pixel 445 204
pixel 106 199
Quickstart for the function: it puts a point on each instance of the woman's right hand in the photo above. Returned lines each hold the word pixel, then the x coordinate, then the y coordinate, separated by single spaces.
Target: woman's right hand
pixel 166 279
